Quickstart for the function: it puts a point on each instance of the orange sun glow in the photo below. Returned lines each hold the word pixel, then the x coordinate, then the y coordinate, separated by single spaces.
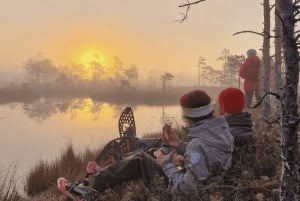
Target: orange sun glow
pixel 89 57
pixel 95 64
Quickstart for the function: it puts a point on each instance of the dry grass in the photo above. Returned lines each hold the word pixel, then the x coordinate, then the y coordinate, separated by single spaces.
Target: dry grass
pixel 8 184
pixel 43 176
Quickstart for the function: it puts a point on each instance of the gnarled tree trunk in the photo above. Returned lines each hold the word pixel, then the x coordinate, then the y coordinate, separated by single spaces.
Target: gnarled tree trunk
pixel 289 104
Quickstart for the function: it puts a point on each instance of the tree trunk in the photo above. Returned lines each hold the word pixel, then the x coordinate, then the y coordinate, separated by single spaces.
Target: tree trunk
pixel 278 61
pixel 266 60
pixel 289 104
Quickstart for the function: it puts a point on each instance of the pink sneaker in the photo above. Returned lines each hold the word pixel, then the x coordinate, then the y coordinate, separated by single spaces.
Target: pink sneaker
pixel 62 185
pixel 92 167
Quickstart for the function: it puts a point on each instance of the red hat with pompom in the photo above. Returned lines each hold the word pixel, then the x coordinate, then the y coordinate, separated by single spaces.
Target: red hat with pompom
pixel 232 100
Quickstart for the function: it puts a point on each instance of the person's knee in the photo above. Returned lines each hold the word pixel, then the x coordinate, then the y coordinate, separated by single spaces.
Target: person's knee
pixel 137 155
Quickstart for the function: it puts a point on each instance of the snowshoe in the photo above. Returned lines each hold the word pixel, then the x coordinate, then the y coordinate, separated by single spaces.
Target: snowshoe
pixel 127 123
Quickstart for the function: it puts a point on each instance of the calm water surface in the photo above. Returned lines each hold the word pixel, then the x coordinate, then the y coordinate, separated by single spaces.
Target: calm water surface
pixel 41 131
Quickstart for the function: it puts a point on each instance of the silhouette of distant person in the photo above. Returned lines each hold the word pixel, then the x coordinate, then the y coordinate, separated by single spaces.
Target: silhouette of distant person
pixel 250 72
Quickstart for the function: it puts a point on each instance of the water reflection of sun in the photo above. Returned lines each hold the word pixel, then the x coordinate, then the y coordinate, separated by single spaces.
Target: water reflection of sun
pixel 93 110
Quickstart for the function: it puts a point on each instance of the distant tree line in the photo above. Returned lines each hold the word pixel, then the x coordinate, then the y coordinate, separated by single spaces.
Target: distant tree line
pixel 226 75
pixel 42 71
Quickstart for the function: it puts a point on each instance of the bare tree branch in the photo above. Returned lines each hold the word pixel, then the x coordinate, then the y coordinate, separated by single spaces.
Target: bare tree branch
pixel 184 16
pixel 254 32
pixel 187 5
pixel 271 7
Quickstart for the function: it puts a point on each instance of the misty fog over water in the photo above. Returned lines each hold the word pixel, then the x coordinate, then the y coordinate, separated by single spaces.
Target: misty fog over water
pixel 48 107
pixel 40 78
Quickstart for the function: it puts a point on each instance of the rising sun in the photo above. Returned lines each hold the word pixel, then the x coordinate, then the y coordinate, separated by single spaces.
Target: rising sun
pixel 89 57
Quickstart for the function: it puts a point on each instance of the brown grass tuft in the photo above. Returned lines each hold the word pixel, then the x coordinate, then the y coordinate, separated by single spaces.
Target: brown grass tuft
pixel 69 165
pixel 8 184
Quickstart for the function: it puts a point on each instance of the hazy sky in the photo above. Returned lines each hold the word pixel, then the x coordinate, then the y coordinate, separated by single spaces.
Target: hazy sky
pixel 141 32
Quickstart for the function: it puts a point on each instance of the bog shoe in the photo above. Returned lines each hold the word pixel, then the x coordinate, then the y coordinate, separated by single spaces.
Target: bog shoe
pixel 83 192
pixel 78 192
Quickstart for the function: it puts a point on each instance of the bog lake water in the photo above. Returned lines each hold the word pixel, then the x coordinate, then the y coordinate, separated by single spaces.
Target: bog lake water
pixel 40 131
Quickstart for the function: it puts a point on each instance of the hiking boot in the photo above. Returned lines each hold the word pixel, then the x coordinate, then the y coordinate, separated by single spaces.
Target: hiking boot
pixel 76 191
pixel 83 192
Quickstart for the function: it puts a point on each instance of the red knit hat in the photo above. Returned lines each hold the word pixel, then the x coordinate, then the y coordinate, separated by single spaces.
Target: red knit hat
pixel 232 100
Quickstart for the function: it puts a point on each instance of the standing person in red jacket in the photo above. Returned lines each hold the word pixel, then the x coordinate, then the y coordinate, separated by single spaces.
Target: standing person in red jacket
pixel 250 72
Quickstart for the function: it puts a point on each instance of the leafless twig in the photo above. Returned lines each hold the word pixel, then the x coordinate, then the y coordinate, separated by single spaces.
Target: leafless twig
pixel 258 33
pixel 187 5
pixel 261 34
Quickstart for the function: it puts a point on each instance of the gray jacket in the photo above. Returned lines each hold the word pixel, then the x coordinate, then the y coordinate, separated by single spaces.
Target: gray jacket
pixel 209 152
pixel 241 127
